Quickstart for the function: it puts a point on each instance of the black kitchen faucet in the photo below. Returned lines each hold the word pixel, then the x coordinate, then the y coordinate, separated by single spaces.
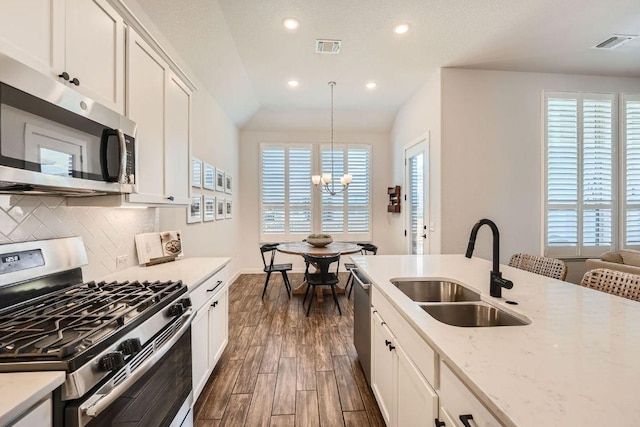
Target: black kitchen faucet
pixel 496 282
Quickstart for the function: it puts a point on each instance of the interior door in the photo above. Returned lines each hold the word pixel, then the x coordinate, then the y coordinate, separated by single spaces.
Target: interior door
pixel 416 199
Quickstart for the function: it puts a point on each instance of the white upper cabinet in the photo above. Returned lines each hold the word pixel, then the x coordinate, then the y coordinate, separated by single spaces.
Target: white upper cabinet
pixel 161 106
pixel 78 42
pixel 95 51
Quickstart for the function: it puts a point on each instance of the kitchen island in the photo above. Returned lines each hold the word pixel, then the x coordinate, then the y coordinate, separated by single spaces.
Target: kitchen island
pixel 575 364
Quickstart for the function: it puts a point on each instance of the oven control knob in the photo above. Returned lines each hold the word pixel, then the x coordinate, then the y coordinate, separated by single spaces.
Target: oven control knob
pixel 111 361
pixel 131 346
pixel 176 310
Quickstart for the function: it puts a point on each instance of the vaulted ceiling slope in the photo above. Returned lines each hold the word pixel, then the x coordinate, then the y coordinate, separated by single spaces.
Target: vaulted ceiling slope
pixel 244 55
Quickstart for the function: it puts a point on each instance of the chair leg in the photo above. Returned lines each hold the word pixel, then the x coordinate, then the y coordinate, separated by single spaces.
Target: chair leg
pixel 352 285
pixel 266 282
pixel 349 281
pixel 335 298
pixel 305 294
pixel 287 285
pixel 311 300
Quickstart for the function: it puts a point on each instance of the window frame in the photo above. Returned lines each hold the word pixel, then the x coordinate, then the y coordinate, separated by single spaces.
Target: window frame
pixel 622 217
pixel 316 194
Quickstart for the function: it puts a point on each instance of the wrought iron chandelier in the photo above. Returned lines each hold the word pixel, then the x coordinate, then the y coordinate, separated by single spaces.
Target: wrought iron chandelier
pixel 325 181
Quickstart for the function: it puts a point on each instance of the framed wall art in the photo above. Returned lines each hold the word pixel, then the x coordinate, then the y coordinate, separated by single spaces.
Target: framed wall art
pixel 228 183
pixel 220 181
pixel 209 177
pixel 194 210
pixel 228 205
pixel 196 173
pixel 209 208
pixel 220 208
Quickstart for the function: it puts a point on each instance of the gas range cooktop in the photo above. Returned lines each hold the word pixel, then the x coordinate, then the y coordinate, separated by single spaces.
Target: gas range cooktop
pixel 72 324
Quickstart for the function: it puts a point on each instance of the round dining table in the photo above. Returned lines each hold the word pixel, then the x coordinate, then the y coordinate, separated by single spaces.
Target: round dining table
pixel 304 248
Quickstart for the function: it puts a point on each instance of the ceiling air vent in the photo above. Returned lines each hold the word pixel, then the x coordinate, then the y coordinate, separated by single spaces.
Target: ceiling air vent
pixel 614 41
pixel 328 46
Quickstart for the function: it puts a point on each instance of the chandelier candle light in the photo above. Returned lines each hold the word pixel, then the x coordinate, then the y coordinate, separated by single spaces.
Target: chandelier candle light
pixel 326 178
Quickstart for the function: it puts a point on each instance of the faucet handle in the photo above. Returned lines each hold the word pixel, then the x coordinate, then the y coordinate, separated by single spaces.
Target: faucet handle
pixel 497 282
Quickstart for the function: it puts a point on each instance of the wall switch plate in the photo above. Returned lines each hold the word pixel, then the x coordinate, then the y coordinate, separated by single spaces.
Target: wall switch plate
pixel 121 260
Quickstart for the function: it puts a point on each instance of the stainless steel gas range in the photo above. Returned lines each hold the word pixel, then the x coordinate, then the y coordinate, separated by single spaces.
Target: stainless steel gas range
pixel 125 346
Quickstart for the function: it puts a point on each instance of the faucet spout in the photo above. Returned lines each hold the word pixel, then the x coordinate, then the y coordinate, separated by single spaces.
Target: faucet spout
pixel 496 281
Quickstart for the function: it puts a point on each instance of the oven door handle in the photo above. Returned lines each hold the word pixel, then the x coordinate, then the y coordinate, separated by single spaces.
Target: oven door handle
pixel 99 402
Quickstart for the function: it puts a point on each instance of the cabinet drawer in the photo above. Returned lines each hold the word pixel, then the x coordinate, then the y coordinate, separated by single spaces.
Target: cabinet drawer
pixel 422 355
pixel 208 288
pixel 458 400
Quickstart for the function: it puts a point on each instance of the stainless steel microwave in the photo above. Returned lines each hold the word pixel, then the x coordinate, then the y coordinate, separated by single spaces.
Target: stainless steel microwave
pixel 56 140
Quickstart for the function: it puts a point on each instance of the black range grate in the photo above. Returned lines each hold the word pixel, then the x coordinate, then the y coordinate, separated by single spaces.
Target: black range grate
pixel 67 322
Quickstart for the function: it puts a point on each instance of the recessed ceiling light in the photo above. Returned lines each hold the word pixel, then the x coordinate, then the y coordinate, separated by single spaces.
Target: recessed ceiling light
pixel 371 85
pixel 401 28
pixel 291 23
pixel 293 83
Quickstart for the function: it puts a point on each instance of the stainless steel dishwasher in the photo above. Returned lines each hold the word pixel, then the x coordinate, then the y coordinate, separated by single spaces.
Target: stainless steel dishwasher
pixel 362 321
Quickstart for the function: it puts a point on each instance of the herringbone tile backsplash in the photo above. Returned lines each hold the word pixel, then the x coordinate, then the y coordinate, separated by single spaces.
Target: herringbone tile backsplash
pixel 107 232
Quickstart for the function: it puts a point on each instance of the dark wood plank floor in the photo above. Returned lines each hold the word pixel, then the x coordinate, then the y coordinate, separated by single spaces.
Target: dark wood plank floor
pixel 281 368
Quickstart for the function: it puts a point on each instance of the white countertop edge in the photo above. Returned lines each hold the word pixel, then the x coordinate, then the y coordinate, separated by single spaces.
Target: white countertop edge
pixel 19 391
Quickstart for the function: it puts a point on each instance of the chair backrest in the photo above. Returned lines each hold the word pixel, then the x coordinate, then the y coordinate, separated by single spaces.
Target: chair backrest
pixel 545 266
pixel 268 247
pixel 323 263
pixel 368 247
pixel 618 283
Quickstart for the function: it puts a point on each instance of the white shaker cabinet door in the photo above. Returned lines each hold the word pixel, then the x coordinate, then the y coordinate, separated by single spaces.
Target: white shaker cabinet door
pixel 218 326
pixel 199 351
pixel 383 362
pixel 176 162
pixel 33 33
pixel 146 75
pixel 95 51
pixel 417 402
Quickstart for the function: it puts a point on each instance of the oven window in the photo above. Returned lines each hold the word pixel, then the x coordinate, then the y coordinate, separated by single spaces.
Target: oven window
pixel 155 399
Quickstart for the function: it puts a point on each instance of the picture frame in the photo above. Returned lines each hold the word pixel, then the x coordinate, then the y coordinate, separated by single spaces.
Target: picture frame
pixel 209 209
pixel 196 173
pixel 228 203
pixel 194 210
pixel 228 183
pixel 209 177
pixel 220 208
pixel 220 181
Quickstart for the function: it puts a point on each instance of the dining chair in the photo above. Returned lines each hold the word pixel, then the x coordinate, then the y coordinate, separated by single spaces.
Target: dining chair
pixel 366 249
pixel 626 285
pixel 323 277
pixel 545 266
pixel 277 268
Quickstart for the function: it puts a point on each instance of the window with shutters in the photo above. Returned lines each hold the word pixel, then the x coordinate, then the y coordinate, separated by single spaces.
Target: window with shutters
pixel 584 215
pixel 289 199
pixel 347 215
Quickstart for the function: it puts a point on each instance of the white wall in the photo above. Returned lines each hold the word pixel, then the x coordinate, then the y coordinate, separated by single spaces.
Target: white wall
pixel 249 233
pixel 418 117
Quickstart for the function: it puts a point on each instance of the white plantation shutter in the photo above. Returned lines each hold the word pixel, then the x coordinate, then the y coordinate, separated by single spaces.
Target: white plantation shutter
pixel 631 187
pixel 347 215
pixel 580 173
pixel 285 192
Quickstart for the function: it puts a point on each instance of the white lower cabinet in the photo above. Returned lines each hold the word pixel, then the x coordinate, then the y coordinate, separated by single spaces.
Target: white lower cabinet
pixel 209 330
pixel 404 396
pixel 460 405
pixel 40 415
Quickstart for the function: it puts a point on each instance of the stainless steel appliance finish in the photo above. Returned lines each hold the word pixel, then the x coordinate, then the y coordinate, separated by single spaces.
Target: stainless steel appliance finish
pixel 56 140
pixel 117 341
pixel 362 321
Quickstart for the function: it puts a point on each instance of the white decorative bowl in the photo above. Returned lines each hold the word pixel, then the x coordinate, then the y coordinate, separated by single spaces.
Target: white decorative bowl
pixel 319 242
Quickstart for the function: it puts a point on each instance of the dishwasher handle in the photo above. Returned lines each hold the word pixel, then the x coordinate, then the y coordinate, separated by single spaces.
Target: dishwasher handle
pixel 361 279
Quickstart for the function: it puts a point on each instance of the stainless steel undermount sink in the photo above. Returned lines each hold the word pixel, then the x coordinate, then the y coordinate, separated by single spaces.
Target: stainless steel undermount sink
pixel 435 290
pixel 472 315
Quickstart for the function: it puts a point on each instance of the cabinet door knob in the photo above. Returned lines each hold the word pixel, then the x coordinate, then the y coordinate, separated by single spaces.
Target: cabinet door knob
pixel 75 81
pixel 392 347
pixel 214 304
pixel 171 198
pixel 465 419
pixel 387 343
pixel 64 75
pixel 439 423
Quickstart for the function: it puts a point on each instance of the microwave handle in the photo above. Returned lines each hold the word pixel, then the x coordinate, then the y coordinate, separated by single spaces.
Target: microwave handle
pixel 123 157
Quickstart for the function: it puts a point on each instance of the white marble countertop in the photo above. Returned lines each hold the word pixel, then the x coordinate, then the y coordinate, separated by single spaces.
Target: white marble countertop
pixel 19 391
pixel 576 364
pixel 192 271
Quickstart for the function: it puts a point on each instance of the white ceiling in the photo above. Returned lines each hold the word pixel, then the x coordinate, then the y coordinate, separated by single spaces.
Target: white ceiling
pixel 244 56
